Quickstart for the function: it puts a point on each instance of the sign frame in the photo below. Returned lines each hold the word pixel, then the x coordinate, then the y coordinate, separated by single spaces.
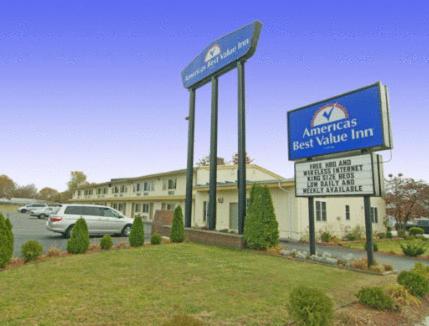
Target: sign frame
pixel 376 168
pixel 233 64
pixel 385 127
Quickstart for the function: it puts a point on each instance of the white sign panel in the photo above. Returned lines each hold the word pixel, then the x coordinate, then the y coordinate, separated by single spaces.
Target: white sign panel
pixel 343 176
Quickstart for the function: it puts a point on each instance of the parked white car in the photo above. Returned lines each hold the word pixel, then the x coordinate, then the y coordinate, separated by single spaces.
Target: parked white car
pixel 44 212
pixel 100 220
pixel 29 207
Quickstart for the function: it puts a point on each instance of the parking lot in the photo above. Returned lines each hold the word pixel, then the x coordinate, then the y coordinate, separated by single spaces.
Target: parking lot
pixel 26 227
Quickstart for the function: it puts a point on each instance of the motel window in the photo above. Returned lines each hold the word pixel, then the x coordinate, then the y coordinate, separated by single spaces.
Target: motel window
pixel 205 211
pixel 169 184
pixel 137 208
pixel 115 189
pixel 145 208
pixel 348 212
pixel 78 192
pixel 105 190
pixel 123 188
pixel 148 186
pixel 374 214
pixel 320 211
pixel 168 206
pixel 137 187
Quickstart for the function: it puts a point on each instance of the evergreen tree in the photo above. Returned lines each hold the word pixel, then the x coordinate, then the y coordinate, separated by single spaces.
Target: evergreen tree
pixel 79 240
pixel 261 228
pixel 136 237
pixel 6 241
pixel 177 228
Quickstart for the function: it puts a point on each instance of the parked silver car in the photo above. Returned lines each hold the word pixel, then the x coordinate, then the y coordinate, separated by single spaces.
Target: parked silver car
pixel 29 207
pixel 44 212
pixel 100 220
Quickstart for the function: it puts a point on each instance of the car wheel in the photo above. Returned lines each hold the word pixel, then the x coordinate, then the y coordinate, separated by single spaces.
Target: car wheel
pixel 126 230
pixel 42 216
pixel 67 234
pixel 23 211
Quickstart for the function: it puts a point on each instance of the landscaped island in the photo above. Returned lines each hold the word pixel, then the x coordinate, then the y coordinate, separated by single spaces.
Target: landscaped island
pixel 151 284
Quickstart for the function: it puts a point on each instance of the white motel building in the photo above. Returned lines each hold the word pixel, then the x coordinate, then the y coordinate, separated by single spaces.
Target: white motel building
pixel 164 191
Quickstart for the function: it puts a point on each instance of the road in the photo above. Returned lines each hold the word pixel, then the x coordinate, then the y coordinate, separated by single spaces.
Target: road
pixel 399 263
pixel 26 227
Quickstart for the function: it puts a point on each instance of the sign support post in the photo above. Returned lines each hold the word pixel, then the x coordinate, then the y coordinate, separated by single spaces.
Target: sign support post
pixel 213 154
pixel 312 234
pixel 225 54
pixel 241 177
pixel 368 230
pixel 190 160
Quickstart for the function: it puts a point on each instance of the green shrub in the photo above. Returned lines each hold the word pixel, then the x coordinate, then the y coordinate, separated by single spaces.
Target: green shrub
pixel 6 241
pixel 106 242
pixel 177 228
pixel 413 231
pixel 421 269
pixel 415 283
pixel 381 235
pixel 136 237
pixel 79 240
pixel 375 297
pixel 325 236
pixel 389 234
pixel 310 307
pixel 402 234
pixel 374 246
pixel 31 250
pixel 413 248
pixel 261 230
pixel 155 239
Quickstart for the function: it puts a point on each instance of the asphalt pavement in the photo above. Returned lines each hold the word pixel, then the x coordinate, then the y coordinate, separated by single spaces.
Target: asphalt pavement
pixel 26 227
pixel 399 263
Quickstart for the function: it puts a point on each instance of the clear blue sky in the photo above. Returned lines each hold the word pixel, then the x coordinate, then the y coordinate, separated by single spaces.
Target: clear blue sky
pixel 95 85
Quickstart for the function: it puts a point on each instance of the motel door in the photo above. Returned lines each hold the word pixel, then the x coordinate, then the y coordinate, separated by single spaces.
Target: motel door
pixel 233 216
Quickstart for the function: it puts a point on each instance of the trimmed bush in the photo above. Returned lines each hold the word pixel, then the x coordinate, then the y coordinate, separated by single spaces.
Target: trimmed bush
pixel 31 250
pixel 389 234
pixel 415 283
pixel 375 297
pixel 326 236
pixel 413 248
pixel 155 239
pixel 310 307
pixel 421 269
pixel 374 246
pixel 177 228
pixel 401 297
pixel 136 237
pixel 261 230
pixel 79 240
pixel 415 230
pixel 6 241
pixel 106 242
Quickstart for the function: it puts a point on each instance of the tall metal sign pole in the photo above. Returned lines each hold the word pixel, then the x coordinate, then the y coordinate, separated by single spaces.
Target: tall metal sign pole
pixel 213 156
pixel 334 131
pixel 241 177
pixel 190 160
pixel 223 55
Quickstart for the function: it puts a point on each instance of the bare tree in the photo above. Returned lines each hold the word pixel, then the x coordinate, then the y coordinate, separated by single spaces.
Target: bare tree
pixel 49 194
pixel 7 186
pixel 406 199
pixel 235 159
pixel 27 191
pixel 205 161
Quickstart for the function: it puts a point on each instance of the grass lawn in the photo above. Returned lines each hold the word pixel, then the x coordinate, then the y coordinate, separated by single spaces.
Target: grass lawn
pixel 7 208
pixel 148 286
pixel 386 245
